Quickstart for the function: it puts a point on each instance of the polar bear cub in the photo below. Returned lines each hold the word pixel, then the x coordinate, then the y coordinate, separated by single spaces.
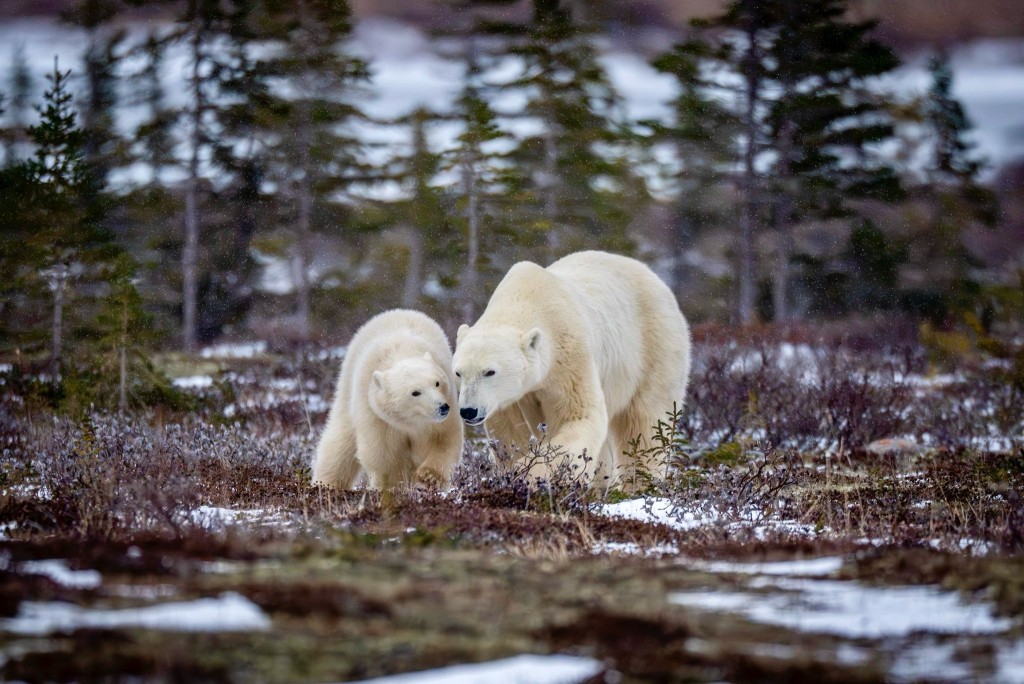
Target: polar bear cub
pixel 593 346
pixel 390 416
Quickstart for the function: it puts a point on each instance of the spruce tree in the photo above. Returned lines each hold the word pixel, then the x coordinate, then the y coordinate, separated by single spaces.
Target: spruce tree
pixel 576 166
pixel 17 105
pixel 955 197
pixel 126 333
pixel 422 214
pixel 702 133
pixel 103 149
pixel 808 116
pixel 307 120
pixel 201 27
pixel 155 134
pixel 67 241
pixel 486 182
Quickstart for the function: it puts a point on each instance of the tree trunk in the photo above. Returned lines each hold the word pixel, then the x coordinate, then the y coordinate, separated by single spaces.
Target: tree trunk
pixel 469 277
pixel 748 188
pixel 60 277
pixel 304 248
pixel 784 232
pixel 682 238
pixel 414 269
pixel 190 253
pixel 122 399
pixel 551 182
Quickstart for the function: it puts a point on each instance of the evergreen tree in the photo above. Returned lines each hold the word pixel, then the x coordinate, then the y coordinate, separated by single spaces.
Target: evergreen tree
pixel 703 133
pixel 422 215
pixel 808 116
pixel 955 197
pixel 201 29
pixel 576 166
pixel 155 134
pixel 824 123
pixel 313 153
pixel 126 332
pixel 18 103
pixel 67 241
pixel 103 149
pixel 486 181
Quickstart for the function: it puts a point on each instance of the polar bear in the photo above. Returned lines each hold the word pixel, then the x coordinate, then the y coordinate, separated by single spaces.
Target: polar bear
pixel 391 405
pixel 594 346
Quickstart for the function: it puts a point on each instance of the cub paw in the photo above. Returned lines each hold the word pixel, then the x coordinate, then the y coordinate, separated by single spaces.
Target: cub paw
pixel 429 477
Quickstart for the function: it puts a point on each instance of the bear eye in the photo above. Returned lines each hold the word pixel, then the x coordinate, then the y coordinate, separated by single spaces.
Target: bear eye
pixel 416 393
pixel 489 373
pixel 458 374
pixel 437 384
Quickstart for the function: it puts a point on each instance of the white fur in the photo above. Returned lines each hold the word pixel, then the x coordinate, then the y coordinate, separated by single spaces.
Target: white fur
pixel 375 423
pixel 594 346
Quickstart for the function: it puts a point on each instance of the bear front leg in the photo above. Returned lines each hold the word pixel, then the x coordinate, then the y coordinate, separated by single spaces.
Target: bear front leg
pixel 437 457
pixel 335 464
pixel 384 457
pixel 578 414
pixel 577 448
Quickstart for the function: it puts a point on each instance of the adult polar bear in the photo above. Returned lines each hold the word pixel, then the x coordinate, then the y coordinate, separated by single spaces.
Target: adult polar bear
pixel 390 411
pixel 594 346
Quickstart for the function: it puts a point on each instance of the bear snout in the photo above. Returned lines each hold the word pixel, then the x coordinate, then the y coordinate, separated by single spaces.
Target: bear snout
pixel 443 409
pixel 470 415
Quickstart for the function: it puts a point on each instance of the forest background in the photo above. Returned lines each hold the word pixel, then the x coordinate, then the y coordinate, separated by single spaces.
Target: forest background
pixel 209 170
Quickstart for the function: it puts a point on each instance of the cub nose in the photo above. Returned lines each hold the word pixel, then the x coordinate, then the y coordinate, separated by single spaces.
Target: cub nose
pixel 468 413
pixel 443 410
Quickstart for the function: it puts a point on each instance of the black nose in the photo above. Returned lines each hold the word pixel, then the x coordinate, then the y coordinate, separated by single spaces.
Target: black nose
pixel 444 409
pixel 468 413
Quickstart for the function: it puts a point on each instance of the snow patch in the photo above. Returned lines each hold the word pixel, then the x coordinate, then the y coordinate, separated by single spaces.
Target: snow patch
pixel 522 669
pixel 229 612
pixel 234 350
pixel 851 610
pixel 811 567
pixel 58 571
pixel 210 517
pixel 193 382
pixel 634 549
pixel 665 512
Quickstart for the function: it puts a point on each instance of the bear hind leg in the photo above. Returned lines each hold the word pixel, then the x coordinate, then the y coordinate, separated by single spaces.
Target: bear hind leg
pixel 637 461
pixel 336 463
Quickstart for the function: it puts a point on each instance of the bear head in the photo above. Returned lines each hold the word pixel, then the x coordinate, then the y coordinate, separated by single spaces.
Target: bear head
pixel 496 365
pixel 411 393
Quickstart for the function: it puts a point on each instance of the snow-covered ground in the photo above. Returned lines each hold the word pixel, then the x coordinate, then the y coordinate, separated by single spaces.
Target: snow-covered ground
pixel 934 622
pixel 229 612
pixel 664 512
pixel 58 571
pixel 523 669
pixel 850 609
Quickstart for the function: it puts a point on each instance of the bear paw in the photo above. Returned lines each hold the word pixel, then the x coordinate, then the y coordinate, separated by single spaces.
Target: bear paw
pixel 429 477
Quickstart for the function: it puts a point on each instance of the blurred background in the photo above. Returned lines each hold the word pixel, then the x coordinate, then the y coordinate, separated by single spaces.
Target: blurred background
pixel 178 173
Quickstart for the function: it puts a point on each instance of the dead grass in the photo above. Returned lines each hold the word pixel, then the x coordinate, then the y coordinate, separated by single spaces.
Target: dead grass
pixel 768 456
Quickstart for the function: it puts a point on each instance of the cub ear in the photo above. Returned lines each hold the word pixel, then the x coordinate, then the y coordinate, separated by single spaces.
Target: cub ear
pixel 428 357
pixel 531 340
pixel 378 380
pixel 463 329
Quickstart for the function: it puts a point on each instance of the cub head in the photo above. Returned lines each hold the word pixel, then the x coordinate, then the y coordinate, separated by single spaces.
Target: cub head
pixel 412 393
pixel 495 366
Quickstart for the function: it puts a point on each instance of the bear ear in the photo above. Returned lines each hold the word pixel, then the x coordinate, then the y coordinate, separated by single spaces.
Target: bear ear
pixel 428 357
pixel 463 329
pixel 378 380
pixel 531 339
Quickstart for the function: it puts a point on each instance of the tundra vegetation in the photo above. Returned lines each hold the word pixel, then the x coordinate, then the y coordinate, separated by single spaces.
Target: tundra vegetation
pixel 845 492
pixel 780 454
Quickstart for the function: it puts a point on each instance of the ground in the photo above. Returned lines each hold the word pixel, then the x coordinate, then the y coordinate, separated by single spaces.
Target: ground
pixel 791 544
